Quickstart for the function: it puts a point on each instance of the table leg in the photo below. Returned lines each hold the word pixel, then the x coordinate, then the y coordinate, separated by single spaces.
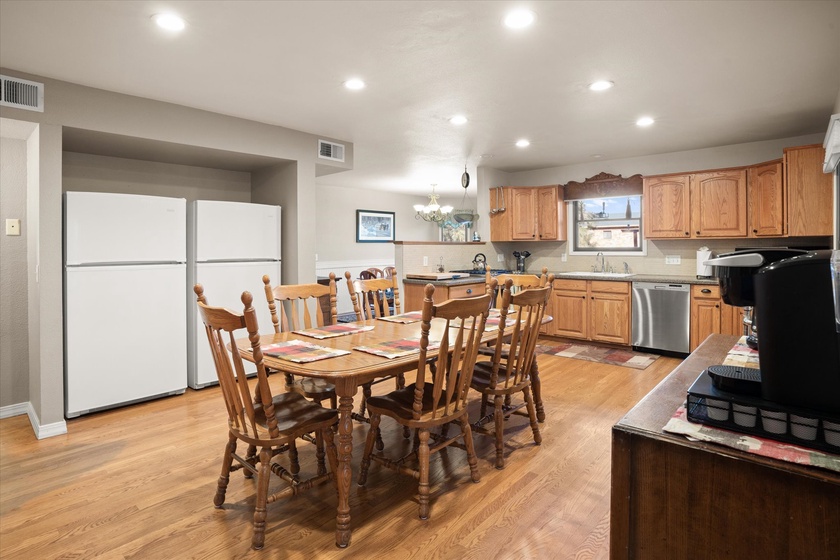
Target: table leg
pixel 345 473
pixel 536 386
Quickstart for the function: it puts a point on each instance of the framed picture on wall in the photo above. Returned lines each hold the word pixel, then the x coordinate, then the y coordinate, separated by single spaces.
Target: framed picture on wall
pixel 373 226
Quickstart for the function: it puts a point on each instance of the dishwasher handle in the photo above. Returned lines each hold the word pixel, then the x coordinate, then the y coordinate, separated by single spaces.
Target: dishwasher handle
pixel 661 286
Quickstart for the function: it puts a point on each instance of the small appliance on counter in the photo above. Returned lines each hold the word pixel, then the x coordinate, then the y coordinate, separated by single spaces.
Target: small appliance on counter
pixel 520 257
pixel 795 396
pixel 704 270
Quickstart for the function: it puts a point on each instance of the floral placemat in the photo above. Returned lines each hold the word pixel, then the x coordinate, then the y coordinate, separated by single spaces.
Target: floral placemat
pixel 330 331
pixel 300 351
pixel 397 348
pixel 742 355
pixel 410 317
pixel 679 424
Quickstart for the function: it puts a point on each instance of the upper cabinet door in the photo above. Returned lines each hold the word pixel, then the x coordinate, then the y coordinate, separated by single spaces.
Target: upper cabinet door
pixel 719 204
pixel 547 213
pixel 523 213
pixel 809 198
pixel 764 190
pixel 666 207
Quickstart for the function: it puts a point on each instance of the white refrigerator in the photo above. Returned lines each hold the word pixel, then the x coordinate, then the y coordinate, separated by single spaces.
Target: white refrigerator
pixel 230 246
pixel 125 327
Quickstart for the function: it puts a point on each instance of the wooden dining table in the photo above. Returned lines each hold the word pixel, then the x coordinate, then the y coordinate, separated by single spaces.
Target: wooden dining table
pixel 348 373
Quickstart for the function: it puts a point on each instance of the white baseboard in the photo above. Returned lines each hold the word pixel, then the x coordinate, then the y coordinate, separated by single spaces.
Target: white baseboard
pixel 13 410
pixel 44 430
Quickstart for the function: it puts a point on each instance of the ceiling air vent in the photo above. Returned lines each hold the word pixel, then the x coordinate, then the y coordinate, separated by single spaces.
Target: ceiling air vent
pixel 330 150
pixel 21 94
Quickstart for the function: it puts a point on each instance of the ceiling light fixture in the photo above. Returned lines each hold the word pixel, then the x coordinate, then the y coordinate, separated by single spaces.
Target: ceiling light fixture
pixel 601 85
pixel 644 121
pixel 170 22
pixel 354 83
pixel 522 143
pixel 432 212
pixel 518 19
pixel 458 119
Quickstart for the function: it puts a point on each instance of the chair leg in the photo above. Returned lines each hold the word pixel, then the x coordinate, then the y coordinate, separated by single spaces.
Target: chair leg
pixel 252 452
pixel 371 438
pixel 334 402
pixel 224 478
pixel 366 392
pixel 536 385
pixel 532 416
pixel 262 498
pixel 483 412
pixel 294 464
pixel 499 417
pixel 472 460
pixel 319 452
pixel 423 459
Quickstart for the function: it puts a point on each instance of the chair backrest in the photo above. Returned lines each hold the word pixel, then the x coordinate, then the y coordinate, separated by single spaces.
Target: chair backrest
pixel 251 415
pixel 465 319
pixel 374 292
pixel 525 280
pixel 301 298
pixel 520 339
pixel 390 271
pixel 371 273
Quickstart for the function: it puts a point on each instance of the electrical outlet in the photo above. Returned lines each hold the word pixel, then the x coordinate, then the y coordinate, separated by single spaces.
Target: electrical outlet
pixel 316 257
pixel 672 259
pixel 500 258
pixel 425 261
pixel 564 257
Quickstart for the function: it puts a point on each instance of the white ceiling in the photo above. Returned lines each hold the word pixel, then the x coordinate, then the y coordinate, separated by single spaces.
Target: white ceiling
pixel 710 73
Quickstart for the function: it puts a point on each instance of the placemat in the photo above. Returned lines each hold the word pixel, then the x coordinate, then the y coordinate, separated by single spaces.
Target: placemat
pixel 300 351
pixel 491 324
pixel 679 424
pixel 397 348
pixel 330 331
pixel 410 317
pixel 742 355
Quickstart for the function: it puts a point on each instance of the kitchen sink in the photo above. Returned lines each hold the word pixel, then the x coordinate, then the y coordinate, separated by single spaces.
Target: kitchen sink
pixel 598 274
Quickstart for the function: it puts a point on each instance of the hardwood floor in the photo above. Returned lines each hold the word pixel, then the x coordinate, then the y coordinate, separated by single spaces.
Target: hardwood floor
pixel 138 482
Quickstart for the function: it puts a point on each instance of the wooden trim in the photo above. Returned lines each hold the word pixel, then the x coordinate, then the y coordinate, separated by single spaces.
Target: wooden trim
pixel 440 242
pixel 603 185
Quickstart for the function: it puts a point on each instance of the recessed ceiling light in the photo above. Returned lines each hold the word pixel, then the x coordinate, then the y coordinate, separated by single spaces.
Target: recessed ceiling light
pixel 518 19
pixel 486 156
pixel 458 119
pixel 522 143
pixel 597 156
pixel 170 22
pixel 601 85
pixel 354 83
pixel 644 121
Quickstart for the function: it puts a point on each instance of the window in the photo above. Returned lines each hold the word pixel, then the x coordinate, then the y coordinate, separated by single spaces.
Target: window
pixel 607 225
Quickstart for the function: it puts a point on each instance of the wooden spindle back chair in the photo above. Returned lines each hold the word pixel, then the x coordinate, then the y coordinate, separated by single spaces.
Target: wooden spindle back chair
pixel 264 422
pixel 435 399
pixel 514 354
pixel 375 293
pixel 293 307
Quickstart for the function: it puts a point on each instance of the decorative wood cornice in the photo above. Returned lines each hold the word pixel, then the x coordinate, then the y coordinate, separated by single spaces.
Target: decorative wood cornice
pixel 603 185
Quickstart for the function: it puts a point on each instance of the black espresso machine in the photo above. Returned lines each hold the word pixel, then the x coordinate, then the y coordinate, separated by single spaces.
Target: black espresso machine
pixel 798 337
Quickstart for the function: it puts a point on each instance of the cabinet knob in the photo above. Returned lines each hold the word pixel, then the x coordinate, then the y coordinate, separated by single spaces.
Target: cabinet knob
pixel 583 297
pixel 469 290
pixel 687 233
pixel 706 291
pixel 755 231
pixel 717 306
pixel 696 233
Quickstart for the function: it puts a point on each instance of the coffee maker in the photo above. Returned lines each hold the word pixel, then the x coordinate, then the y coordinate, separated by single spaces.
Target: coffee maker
pixel 799 342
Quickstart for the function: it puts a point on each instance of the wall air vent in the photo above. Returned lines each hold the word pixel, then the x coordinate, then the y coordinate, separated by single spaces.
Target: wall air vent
pixel 330 150
pixel 21 94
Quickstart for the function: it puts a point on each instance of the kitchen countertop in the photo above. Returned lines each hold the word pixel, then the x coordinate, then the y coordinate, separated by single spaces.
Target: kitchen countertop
pixel 669 278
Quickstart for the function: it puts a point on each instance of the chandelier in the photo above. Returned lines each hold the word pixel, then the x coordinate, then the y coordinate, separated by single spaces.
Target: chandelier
pixel 433 212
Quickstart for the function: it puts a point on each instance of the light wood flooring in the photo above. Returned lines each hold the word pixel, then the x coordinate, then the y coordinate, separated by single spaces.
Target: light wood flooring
pixel 138 482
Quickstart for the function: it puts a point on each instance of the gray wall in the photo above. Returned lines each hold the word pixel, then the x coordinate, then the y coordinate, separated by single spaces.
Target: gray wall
pixel 14 347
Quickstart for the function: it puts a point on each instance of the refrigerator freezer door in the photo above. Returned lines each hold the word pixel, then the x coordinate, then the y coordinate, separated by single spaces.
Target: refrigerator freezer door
pixel 124 228
pixel 223 286
pixel 234 231
pixel 125 335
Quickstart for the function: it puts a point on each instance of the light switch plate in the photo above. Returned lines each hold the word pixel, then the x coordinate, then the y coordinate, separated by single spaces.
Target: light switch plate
pixel 672 259
pixel 12 226
pixel 500 258
pixel 425 261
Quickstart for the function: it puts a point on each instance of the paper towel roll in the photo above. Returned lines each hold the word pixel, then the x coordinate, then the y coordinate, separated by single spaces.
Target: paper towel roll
pixel 704 254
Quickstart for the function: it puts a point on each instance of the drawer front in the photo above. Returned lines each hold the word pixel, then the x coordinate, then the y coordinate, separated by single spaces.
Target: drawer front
pixel 705 291
pixel 570 285
pixel 610 287
pixel 466 290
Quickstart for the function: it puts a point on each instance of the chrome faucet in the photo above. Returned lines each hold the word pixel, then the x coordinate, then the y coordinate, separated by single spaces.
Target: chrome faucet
pixel 600 262
pixel 626 268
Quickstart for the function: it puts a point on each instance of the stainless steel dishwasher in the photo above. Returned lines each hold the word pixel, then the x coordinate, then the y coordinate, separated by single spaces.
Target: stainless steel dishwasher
pixel 661 316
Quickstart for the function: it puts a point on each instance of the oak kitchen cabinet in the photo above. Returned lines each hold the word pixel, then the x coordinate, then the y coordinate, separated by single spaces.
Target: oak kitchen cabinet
pixel 709 315
pixel 591 310
pixel 808 191
pixel 765 199
pixel 695 206
pixel 527 214
pixel 413 294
